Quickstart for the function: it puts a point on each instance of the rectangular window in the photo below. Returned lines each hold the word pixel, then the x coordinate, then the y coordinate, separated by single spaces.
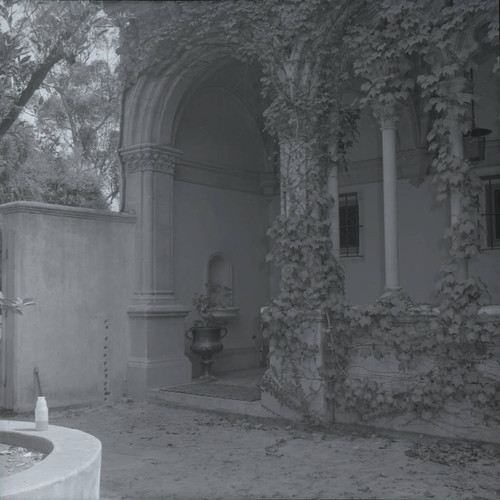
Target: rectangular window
pixel 491 215
pixel 349 224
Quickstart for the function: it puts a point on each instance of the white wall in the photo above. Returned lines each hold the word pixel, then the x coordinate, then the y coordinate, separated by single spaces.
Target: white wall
pixel 77 265
pixel 219 207
pixel 421 249
pixel 209 220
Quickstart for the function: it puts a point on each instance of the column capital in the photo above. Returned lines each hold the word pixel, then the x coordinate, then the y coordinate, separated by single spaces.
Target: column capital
pixel 387 115
pixel 149 156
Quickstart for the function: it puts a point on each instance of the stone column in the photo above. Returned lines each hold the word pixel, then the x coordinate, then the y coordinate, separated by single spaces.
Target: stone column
pixel 301 380
pixel 156 319
pixel 294 161
pixel 388 120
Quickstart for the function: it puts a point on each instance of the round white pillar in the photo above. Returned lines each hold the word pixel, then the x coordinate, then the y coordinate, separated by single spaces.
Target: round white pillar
pixel 333 190
pixel 388 127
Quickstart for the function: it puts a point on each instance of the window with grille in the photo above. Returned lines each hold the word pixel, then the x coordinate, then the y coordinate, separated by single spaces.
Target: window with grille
pixel 349 224
pixel 491 215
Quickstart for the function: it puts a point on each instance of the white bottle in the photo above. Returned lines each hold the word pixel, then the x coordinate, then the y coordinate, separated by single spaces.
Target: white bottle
pixel 41 414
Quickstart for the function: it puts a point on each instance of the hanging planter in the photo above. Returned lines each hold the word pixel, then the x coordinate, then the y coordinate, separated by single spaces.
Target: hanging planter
pixel 475 139
pixel 475 143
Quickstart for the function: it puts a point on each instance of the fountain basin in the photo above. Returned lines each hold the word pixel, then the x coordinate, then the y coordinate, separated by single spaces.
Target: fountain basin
pixel 71 470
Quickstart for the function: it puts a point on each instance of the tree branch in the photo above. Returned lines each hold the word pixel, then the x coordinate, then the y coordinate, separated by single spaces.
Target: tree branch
pixel 33 85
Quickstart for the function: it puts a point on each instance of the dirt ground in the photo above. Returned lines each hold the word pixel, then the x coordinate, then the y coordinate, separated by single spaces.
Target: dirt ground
pixel 157 452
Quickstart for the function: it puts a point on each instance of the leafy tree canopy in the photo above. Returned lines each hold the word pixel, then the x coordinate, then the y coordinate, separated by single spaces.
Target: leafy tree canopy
pixel 28 173
pixel 35 36
pixel 65 152
pixel 79 120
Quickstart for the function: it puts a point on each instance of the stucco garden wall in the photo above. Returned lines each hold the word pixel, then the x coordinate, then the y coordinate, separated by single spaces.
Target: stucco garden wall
pixel 77 265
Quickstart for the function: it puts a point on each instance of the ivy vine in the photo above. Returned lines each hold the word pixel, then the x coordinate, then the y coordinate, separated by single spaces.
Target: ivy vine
pixel 426 61
pixel 406 53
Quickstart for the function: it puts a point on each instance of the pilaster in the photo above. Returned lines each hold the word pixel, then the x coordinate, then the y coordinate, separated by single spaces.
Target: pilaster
pixel 156 319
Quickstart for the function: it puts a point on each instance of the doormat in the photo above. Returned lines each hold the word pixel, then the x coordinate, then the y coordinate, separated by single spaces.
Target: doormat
pixel 223 391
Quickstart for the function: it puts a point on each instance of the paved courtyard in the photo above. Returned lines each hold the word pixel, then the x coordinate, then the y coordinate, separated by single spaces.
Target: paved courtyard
pixel 152 451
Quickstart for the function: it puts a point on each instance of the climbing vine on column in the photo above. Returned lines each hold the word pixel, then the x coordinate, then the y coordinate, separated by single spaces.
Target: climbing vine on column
pixel 402 50
pixel 421 49
pixel 306 85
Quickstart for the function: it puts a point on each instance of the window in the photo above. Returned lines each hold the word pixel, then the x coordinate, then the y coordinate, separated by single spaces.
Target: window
pixel 349 224
pixel 491 215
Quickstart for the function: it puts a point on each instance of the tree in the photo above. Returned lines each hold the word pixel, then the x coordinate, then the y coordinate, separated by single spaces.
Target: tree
pixel 35 37
pixel 28 173
pixel 79 120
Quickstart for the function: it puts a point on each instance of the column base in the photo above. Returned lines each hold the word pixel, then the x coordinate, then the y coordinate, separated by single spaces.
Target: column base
pixel 395 291
pixel 156 347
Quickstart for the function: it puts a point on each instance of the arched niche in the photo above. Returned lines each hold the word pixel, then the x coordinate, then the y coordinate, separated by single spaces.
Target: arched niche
pixel 219 279
pixel 219 282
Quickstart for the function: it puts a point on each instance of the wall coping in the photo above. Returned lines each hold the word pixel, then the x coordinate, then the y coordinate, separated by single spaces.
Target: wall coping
pixel 32 207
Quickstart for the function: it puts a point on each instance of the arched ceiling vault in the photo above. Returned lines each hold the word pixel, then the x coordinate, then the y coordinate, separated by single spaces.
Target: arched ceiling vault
pixel 153 106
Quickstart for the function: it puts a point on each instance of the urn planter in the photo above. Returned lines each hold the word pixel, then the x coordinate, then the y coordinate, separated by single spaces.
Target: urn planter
pixel 206 342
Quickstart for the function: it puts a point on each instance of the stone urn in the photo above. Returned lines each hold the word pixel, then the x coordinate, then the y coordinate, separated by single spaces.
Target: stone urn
pixel 206 342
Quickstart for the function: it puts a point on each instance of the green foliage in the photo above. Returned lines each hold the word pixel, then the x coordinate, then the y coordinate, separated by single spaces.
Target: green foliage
pixel 424 50
pixel 419 47
pixel 305 72
pixel 16 305
pixel 35 37
pixel 29 174
pixel 406 52
pixel 78 120
pixel 441 359
pixel 40 43
pixel 216 297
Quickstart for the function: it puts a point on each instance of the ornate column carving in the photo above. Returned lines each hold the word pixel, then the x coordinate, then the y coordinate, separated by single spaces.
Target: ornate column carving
pixel 150 157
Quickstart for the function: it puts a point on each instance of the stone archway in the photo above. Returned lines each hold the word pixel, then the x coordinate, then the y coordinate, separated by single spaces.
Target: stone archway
pixel 196 167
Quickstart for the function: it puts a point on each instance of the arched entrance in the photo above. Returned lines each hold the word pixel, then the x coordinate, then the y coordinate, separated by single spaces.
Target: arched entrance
pixel 200 181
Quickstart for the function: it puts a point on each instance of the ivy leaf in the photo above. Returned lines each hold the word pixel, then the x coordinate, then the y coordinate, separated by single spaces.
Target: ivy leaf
pixel 365 320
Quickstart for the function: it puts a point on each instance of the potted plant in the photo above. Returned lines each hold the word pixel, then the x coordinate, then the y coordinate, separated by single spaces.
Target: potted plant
pixel 214 309
pixel 15 305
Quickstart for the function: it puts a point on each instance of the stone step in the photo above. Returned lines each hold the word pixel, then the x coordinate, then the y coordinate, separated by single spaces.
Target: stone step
pixel 171 398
